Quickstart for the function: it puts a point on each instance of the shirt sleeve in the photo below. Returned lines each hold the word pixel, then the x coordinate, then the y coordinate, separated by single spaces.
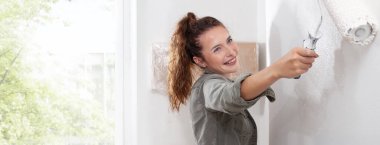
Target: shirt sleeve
pixel 270 94
pixel 223 95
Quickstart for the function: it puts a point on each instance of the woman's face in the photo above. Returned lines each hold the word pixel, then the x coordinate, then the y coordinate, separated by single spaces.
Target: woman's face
pixel 219 51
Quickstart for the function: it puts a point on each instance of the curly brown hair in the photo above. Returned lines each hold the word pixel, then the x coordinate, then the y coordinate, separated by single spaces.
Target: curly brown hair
pixel 183 47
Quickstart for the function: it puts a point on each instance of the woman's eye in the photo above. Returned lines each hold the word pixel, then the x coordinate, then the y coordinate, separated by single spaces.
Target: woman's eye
pixel 216 49
pixel 229 40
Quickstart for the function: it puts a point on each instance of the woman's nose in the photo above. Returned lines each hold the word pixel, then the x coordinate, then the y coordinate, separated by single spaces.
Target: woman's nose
pixel 231 51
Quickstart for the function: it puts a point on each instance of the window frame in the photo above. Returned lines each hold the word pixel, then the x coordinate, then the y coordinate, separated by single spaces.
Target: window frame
pixel 126 68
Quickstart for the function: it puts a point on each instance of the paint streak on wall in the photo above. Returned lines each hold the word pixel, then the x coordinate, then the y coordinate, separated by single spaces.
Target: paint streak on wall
pixel 336 101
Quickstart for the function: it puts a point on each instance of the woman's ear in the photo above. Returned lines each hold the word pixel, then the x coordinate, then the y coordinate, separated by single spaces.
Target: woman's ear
pixel 199 61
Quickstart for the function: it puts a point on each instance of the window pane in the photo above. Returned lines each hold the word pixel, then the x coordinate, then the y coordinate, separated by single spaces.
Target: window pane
pixel 57 71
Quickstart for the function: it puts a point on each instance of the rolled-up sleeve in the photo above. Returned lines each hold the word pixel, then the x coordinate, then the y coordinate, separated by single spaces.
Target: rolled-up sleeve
pixel 223 95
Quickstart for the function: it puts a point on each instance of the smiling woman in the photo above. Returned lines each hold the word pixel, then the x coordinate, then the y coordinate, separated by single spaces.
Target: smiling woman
pixel 218 102
pixel 219 53
pixel 57 73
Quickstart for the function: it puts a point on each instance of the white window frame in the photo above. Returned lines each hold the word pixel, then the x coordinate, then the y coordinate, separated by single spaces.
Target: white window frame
pixel 126 124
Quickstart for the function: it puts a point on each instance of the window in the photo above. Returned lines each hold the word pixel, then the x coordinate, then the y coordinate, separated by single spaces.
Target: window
pixel 59 72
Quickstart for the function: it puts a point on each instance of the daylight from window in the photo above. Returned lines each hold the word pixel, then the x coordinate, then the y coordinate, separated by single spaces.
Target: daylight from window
pixel 57 71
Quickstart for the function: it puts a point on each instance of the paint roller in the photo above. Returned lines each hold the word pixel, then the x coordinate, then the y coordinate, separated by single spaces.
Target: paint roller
pixel 353 21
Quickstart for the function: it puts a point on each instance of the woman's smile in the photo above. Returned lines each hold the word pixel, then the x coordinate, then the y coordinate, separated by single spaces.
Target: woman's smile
pixel 231 62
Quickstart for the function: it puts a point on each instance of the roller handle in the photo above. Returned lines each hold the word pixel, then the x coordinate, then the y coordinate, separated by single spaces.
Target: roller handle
pixel 307 45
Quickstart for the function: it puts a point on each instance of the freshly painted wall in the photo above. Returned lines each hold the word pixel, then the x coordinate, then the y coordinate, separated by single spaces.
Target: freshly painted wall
pixel 337 101
pixel 156 20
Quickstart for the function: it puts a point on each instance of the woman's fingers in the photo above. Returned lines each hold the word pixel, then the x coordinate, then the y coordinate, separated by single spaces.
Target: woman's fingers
pixel 306 52
pixel 302 66
pixel 305 56
pixel 306 60
pixel 295 63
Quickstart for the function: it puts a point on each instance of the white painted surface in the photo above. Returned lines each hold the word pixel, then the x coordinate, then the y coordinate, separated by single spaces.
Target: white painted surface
pixel 129 119
pixel 336 102
pixel 156 21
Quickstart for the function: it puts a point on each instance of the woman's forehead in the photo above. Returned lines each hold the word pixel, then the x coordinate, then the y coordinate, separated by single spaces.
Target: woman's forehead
pixel 214 36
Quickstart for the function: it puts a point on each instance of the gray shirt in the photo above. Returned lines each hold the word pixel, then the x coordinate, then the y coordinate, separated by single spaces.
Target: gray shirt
pixel 219 114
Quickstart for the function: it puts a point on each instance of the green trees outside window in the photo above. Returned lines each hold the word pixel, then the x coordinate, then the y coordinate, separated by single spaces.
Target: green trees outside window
pixel 48 108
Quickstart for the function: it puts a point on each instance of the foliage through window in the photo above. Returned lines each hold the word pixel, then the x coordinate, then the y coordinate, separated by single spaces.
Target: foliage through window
pixel 57 71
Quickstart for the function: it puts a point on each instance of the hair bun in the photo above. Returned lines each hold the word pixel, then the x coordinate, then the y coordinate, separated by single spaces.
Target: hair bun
pixel 191 19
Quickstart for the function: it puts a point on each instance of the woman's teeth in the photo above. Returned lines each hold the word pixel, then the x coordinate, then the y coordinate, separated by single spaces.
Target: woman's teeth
pixel 231 61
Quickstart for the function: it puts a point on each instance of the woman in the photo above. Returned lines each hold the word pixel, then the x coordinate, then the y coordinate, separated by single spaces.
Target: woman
pixel 219 103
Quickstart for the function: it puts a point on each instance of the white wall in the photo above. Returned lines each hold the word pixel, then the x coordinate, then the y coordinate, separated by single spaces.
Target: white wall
pixel 336 102
pixel 156 20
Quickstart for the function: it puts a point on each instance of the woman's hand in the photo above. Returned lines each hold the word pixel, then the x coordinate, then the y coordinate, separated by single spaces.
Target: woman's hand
pixel 296 62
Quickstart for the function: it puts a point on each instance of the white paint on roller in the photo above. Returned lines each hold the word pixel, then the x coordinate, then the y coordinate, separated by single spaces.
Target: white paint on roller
pixel 353 20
